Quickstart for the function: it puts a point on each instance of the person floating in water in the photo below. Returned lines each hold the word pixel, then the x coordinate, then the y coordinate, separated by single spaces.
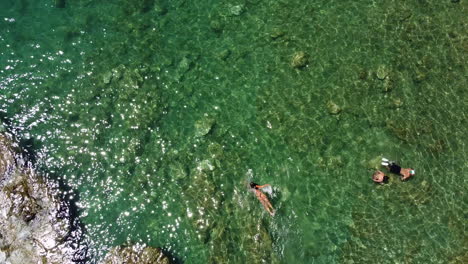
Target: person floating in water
pixel 379 177
pixel 405 173
pixel 262 197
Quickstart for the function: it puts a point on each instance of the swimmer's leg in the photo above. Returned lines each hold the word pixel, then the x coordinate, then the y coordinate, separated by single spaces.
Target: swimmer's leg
pixel 271 209
pixel 272 212
pixel 267 206
pixel 385 162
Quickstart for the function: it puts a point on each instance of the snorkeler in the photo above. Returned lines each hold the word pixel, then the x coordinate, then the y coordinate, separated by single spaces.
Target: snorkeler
pixel 394 168
pixel 379 177
pixel 262 197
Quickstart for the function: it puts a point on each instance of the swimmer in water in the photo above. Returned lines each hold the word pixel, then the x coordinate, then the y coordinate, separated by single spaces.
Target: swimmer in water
pixel 262 197
pixel 405 173
pixel 379 177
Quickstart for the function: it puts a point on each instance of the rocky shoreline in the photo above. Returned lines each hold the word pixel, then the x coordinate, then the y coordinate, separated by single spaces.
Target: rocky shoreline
pixel 37 226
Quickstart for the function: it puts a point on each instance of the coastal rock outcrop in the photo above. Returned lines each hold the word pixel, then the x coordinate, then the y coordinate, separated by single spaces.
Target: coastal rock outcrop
pixel 35 225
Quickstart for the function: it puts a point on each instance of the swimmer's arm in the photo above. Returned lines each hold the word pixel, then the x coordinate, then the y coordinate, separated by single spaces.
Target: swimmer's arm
pixel 264 185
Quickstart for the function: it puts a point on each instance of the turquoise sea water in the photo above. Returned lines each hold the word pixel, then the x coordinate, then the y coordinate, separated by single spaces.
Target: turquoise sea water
pixel 157 113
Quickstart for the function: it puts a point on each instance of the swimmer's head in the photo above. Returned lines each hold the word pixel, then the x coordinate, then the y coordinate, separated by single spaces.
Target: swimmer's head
pixel 253 185
pixel 376 174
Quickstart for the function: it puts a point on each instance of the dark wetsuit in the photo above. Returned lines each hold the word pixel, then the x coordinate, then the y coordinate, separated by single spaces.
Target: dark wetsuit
pixel 394 168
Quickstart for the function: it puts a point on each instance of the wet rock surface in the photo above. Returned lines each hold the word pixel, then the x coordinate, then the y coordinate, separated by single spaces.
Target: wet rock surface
pixel 35 225
pixel 38 226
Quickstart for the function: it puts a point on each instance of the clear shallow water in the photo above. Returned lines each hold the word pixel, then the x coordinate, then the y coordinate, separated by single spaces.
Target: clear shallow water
pixel 111 97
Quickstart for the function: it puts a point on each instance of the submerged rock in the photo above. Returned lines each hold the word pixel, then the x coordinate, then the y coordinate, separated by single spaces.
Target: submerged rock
pixel 205 202
pixel 250 231
pixel 184 66
pixel 399 129
pixel 35 225
pixel 107 77
pixel 206 165
pixel 131 79
pixel 204 126
pixel 419 76
pixel 216 26
pixel 224 54
pixel 118 72
pixel 236 10
pixel 215 150
pixel 397 102
pixel 388 85
pixel 277 33
pixel 333 108
pixel 177 171
pixel 382 72
pixel 136 254
pixel 300 59
pixel 159 9
pixel 363 74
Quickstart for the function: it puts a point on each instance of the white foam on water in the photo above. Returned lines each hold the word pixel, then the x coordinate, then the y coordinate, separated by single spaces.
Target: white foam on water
pixel 268 189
